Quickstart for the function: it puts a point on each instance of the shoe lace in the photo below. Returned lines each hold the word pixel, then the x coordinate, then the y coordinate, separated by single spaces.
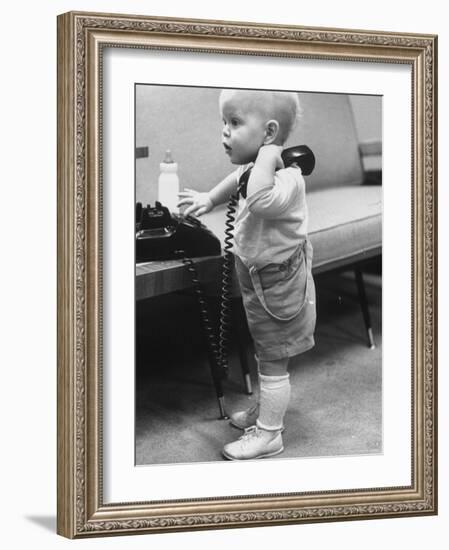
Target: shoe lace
pixel 253 408
pixel 252 431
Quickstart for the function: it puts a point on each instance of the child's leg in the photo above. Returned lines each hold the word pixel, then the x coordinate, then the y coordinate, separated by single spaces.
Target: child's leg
pixel 274 367
pixel 274 394
pixel 265 369
pixel 265 438
pixel 245 418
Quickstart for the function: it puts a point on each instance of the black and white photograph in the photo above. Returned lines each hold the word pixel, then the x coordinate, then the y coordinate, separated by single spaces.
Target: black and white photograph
pixel 258 288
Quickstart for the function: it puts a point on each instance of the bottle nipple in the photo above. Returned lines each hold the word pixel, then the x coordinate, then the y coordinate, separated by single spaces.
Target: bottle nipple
pixel 168 159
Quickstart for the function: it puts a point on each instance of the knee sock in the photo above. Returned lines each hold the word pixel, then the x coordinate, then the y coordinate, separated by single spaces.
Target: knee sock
pixel 274 396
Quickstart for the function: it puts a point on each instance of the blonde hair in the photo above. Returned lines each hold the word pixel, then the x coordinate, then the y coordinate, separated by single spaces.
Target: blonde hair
pixel 281 106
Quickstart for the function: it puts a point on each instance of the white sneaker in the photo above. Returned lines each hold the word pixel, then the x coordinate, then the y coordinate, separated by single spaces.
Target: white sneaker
pixel 245 419
pixel 254 443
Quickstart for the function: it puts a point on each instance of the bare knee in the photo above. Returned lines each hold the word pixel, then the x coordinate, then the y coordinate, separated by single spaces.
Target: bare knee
pixel 274 367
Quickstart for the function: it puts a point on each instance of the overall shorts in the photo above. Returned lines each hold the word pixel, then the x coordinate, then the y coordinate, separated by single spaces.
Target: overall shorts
pixel 279 301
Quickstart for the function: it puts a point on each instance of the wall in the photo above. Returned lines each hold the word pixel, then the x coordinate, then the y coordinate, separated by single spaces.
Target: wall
pixel 28 275
pixel 186 120
pixel 367 117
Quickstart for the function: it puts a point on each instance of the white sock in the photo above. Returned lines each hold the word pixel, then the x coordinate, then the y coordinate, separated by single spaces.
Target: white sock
pixel 274 397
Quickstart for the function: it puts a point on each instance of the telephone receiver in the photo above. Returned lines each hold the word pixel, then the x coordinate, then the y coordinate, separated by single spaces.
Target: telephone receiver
pixel 300 154
pixel 161 235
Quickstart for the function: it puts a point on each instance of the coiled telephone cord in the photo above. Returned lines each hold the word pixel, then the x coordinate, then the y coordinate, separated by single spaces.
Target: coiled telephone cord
pixel 218 347
pixel 203 306
pixel 226 288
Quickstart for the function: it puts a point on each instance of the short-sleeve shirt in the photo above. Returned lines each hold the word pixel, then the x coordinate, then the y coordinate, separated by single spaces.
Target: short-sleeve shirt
pixel 272 222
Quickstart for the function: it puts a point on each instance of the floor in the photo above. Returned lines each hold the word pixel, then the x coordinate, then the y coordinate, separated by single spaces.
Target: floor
pixel 336 400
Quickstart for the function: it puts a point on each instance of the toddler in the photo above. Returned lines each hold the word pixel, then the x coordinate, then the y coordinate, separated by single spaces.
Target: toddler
pixel 273 258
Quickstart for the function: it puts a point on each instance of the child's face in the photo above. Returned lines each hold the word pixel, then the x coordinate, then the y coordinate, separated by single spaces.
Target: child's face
pixel 243 128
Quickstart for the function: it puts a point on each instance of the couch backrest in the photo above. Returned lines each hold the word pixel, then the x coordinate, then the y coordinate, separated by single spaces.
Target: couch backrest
pixel 327 127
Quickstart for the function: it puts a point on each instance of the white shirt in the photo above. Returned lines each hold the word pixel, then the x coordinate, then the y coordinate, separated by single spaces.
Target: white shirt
pixel 272 222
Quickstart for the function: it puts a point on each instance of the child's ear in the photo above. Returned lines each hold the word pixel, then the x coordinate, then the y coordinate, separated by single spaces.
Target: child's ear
pixel 271 131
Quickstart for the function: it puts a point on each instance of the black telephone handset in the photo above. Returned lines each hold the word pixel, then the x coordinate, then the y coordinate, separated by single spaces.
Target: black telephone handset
pixel 300 155
pixel 160 235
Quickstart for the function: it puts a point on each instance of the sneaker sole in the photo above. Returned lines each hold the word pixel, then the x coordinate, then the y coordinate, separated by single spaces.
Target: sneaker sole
pixel 266 455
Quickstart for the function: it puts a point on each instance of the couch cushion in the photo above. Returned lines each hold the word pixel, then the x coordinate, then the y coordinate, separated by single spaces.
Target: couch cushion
pixel 345 224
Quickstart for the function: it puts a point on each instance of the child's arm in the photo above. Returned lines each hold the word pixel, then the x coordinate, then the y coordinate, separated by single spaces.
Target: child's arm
pixel 266 198
pixel 267 162
pixel 201 203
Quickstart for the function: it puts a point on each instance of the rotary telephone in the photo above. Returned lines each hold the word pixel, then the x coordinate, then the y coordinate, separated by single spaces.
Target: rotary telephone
pixel 161 235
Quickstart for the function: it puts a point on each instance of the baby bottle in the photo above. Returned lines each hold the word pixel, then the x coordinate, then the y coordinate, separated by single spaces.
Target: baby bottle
pixel 168 184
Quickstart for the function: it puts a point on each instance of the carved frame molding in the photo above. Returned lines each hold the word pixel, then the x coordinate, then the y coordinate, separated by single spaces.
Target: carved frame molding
pixel 81 37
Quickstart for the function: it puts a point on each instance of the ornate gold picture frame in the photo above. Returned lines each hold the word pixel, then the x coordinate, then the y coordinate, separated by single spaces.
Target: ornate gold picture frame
pixel 83 511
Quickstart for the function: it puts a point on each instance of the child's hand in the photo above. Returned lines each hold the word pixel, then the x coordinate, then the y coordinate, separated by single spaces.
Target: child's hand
pixel 271 154
pixel 199 203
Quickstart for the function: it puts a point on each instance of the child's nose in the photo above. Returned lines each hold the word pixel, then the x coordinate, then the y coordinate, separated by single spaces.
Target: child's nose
pixel 226 132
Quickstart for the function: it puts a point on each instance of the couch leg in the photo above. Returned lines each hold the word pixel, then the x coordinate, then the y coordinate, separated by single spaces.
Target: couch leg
pixel 216 379
pixel 245 369
pixel 239 328
pixel 364 306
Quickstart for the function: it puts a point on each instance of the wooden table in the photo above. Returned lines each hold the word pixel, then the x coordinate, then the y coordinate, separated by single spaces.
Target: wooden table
pixel 162 277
